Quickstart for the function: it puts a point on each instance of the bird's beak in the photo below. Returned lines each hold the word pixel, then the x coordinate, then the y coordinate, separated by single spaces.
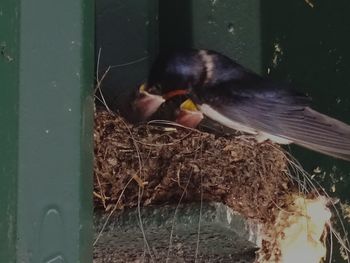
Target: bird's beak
pixel 146 104
pixel 189 115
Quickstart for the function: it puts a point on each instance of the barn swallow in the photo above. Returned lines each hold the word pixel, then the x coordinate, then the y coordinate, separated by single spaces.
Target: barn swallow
pixel 238 98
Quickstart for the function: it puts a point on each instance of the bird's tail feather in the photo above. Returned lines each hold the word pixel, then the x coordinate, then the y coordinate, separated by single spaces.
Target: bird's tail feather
pixel 320 133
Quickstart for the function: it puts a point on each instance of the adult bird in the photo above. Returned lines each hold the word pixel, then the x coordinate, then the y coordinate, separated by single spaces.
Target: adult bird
pixel 238 98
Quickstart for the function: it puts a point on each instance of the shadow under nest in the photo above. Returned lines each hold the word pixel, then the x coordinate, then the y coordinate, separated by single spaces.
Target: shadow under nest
pixel 162 164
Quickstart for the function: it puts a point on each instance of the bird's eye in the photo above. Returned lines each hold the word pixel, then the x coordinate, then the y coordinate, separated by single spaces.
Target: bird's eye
pixel 155 89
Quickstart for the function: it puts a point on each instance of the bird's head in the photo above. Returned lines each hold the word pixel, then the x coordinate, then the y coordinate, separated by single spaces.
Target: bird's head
pixel 172 75
pixel 150 98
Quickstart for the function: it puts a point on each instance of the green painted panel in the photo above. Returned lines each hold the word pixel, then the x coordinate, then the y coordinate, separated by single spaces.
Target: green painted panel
pixel 230 27
pixel 126 35
pixel 175 24
pixel 310 48
pixel 54 207
pixel 9 126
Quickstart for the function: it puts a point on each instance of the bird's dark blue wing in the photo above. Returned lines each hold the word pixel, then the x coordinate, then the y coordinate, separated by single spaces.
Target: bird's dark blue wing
pixel 279 112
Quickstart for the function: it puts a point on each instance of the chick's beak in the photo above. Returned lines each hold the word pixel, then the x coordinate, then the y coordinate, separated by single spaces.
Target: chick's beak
pixel 189 115
pixel 146 104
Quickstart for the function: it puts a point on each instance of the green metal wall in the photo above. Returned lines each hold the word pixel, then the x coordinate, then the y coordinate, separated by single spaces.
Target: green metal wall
pixel 126 38
pixel 228 26
pixel 9 72
pixel 46 73
pixel 309 47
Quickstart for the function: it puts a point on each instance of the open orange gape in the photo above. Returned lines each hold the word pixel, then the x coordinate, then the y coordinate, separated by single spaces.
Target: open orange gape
pixel 169 162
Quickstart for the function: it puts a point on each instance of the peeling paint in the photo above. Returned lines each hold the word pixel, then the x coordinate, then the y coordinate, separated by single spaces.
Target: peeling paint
pixel 277 54
pixel 4 53
pixel 230 28
pixel 310 3
pixel 213 2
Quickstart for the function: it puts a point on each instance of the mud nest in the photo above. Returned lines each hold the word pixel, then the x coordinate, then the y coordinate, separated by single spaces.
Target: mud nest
pixel 157 164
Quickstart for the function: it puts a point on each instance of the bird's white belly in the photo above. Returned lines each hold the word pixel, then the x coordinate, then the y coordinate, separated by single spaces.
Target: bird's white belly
pixel 259 135
pixel 216 116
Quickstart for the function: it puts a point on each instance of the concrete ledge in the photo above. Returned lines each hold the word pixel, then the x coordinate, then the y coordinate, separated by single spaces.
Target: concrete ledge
pixel 225 236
